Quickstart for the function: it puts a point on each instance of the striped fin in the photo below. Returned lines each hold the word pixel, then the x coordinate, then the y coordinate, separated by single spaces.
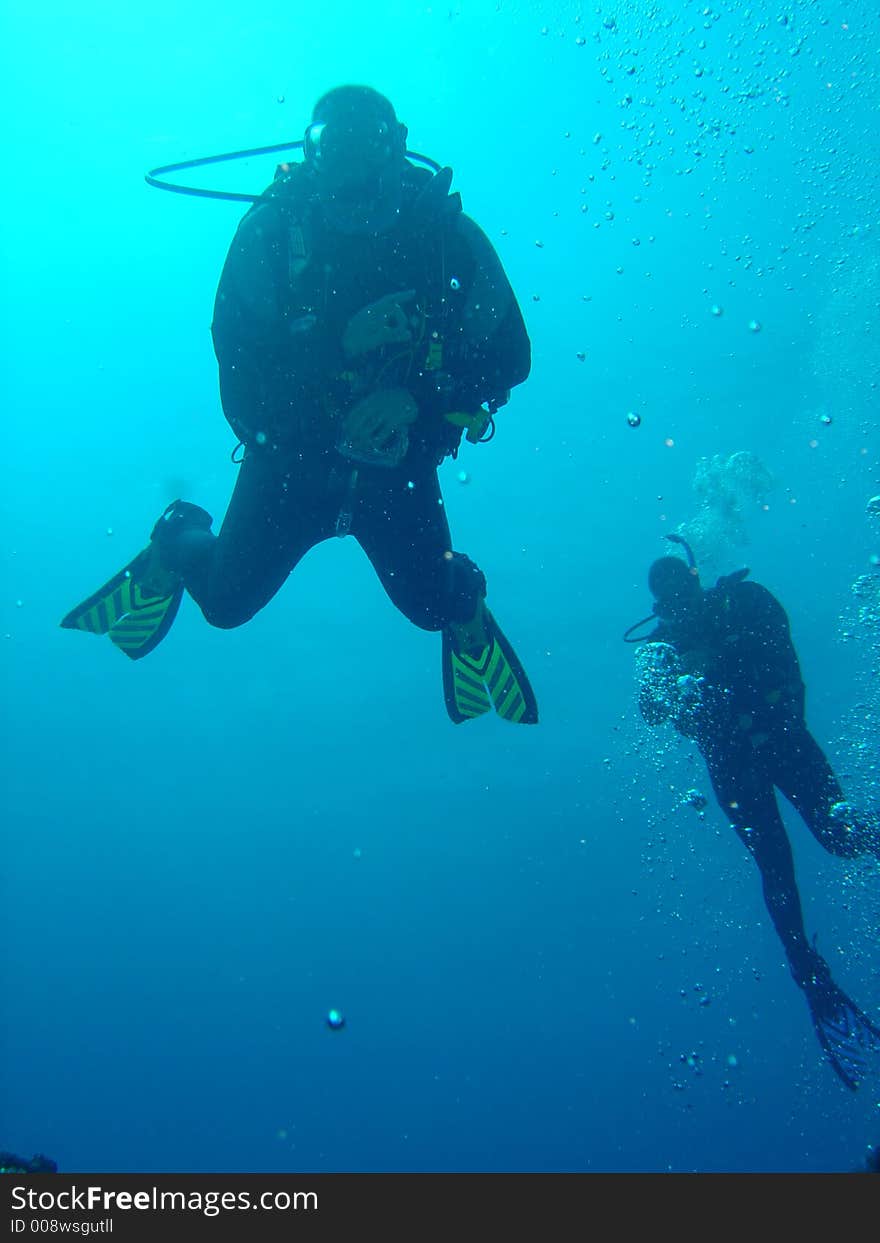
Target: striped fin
pixel 470 694
pixel 103 609
pixel 503 686
pixel 149 620
pixel 134 621
pixel 474 683
pixel 507 680
pixel 462 684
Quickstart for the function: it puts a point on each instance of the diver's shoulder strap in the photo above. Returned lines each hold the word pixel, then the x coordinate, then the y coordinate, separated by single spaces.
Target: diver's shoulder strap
pixel 293 192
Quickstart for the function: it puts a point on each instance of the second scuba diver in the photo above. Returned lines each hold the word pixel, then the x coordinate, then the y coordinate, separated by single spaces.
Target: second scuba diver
pixel 721 667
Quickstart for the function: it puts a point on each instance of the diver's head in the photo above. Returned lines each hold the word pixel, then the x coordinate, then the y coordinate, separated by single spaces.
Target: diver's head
pixel 357 149
pixel 676 589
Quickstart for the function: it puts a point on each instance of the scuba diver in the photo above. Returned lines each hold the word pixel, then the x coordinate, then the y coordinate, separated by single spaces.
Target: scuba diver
pixel 362 324
pixel 721 667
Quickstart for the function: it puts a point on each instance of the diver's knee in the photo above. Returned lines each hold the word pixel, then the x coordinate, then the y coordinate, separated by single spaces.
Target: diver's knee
pixel 424 614
pixel 847 834
pixel 226 614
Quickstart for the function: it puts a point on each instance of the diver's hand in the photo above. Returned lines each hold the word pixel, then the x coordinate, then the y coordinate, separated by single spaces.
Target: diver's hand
pixel 374 420
pixel 381 323
pixel 658 668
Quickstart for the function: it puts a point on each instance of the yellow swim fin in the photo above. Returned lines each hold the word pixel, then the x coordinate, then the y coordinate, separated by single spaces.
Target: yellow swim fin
pixel 134 609
pixel 481 670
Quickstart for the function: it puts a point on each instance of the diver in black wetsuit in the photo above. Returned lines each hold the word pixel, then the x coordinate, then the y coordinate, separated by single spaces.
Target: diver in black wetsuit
pixel 721 666
pixel 362 324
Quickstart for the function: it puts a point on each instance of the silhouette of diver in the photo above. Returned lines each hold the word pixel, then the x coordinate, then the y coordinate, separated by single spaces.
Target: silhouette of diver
pixel 721 667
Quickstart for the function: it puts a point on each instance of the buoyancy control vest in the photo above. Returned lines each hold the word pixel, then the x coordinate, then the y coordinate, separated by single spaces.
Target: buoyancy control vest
pixel 458 382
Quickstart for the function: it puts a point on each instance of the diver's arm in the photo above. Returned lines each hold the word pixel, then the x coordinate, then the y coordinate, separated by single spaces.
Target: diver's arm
pixel 272 363
pixel 658 669
pixel 493 353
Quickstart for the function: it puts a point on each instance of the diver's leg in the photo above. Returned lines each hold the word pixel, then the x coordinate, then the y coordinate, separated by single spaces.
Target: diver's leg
pixel 806 778
pixel 745 794
pixel 402 527
pixel 271 522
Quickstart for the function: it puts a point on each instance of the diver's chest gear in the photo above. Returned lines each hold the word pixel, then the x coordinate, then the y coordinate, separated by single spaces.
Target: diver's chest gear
pixel 294 277
pixel 385 455
pixel 332 276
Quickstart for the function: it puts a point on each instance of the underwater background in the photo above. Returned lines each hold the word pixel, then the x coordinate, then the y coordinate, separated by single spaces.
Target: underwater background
pixel 547 960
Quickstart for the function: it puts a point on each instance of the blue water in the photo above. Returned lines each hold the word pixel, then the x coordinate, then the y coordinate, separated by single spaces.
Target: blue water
pixel 544 960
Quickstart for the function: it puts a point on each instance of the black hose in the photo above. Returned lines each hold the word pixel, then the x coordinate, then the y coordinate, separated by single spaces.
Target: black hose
pixel 152 177
pixel 645 638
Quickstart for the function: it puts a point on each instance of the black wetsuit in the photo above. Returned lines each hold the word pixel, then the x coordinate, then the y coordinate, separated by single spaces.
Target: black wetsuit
pixel 751 729
pixel 289 287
